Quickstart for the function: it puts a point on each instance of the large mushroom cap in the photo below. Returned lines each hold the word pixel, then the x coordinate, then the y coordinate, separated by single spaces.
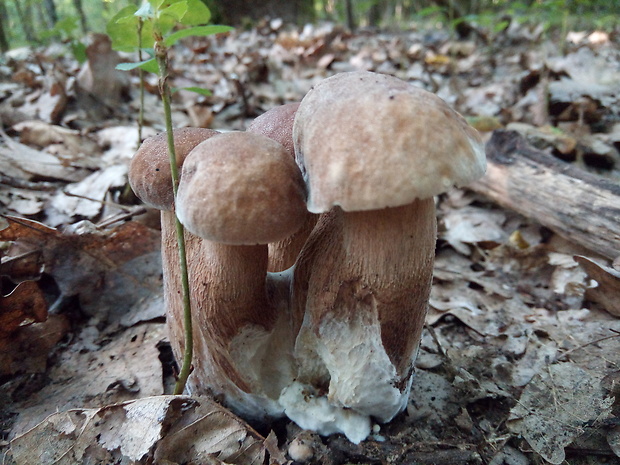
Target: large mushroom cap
pixel 367 141
pixel 149 170
pixel 241 188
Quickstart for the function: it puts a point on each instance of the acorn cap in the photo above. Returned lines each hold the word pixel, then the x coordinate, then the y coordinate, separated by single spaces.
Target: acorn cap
pixel 366 141
pixel 241 188
pixel 149 170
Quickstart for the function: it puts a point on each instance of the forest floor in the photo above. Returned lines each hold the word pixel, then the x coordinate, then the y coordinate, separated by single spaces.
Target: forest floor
pixel 520 358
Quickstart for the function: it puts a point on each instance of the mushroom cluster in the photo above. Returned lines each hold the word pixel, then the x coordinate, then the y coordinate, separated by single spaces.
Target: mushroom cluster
pixel 311 241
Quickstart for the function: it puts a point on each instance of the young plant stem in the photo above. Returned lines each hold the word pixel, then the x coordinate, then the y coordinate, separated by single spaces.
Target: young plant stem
pixel 161 55
pixel 141 78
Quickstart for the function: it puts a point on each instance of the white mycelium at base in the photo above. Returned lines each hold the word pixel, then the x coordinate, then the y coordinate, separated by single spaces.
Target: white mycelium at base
pixel 362 380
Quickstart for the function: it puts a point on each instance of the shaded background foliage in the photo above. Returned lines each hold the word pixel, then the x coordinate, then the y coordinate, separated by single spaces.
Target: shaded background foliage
pixel 25 22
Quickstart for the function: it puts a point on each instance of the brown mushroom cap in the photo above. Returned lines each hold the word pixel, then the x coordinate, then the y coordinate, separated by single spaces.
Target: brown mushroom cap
pixel 277 124
pixel 367 141
pixel 241 188
pixel 149 170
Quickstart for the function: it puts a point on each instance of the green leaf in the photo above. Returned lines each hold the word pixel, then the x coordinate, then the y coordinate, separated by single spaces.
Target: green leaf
pixel 123 30
pixel 147 65
pixel 195 31
pixel 79 51
pixel 176 10
pixel 429 11
pixel 198 90
pixel 501 26
pixel 197 13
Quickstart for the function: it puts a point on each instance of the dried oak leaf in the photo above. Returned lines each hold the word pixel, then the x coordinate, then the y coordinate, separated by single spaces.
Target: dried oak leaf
pixel 163 429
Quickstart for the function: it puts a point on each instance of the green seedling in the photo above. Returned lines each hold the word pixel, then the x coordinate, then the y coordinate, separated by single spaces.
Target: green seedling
pixel 152 28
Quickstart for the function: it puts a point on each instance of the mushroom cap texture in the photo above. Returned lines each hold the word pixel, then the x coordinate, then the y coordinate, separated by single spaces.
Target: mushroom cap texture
pixel 149 170
pixel 241 188
pixel 366 141
pixel 277 124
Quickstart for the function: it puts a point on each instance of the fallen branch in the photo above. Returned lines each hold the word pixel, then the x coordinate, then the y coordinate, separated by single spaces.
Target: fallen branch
pixel 575 204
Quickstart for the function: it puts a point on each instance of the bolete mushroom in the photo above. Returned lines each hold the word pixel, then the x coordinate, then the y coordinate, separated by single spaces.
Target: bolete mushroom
pixel 240 191
pixel 373 151
pixel 277 124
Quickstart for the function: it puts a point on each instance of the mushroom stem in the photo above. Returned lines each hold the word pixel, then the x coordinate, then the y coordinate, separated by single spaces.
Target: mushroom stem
pixel 229 285
pixel 284 253
pixel 360 293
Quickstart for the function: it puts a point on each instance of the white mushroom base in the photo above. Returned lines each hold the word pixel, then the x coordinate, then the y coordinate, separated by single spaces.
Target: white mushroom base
pixel 363 382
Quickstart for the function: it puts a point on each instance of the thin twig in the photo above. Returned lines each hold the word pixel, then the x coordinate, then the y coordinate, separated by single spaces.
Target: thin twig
pixel 596 341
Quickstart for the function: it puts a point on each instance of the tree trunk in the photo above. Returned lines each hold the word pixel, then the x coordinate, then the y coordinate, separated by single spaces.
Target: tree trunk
pixel 24 18
pixel 80 11
pixel 374 13
pixel 235 11
pixel 456 12
pixel 50 8
pixel 350 15
pixel 4 42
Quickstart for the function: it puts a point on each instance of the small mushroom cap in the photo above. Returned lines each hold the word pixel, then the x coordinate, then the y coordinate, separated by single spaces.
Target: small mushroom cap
pixel 149 170
pixel 241 188
pixel 366 141
pixel 277 124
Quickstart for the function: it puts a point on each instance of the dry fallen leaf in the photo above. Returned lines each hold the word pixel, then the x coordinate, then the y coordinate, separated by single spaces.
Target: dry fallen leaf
pixel 76 201
pixel 556 407
pixel 24 305
pixel 27 349
pixel 30 163
pixel 109 269
pixel 95 370
pixel 164 429
pixel 607 290
pixel 472 225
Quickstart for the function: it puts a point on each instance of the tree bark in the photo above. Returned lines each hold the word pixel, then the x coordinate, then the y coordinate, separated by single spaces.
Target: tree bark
pixel 350 15
pixel 80 11
pixel 24 19
pixel 50 8
pixel 580 206
pixel 4 42
pixel 235 11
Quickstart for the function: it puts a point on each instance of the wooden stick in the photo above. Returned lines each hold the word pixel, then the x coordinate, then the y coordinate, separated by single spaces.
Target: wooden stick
pixel 580 206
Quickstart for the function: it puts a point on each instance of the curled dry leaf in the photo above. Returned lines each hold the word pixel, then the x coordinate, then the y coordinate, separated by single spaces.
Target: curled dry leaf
pixel 164 429
pixel 607 290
